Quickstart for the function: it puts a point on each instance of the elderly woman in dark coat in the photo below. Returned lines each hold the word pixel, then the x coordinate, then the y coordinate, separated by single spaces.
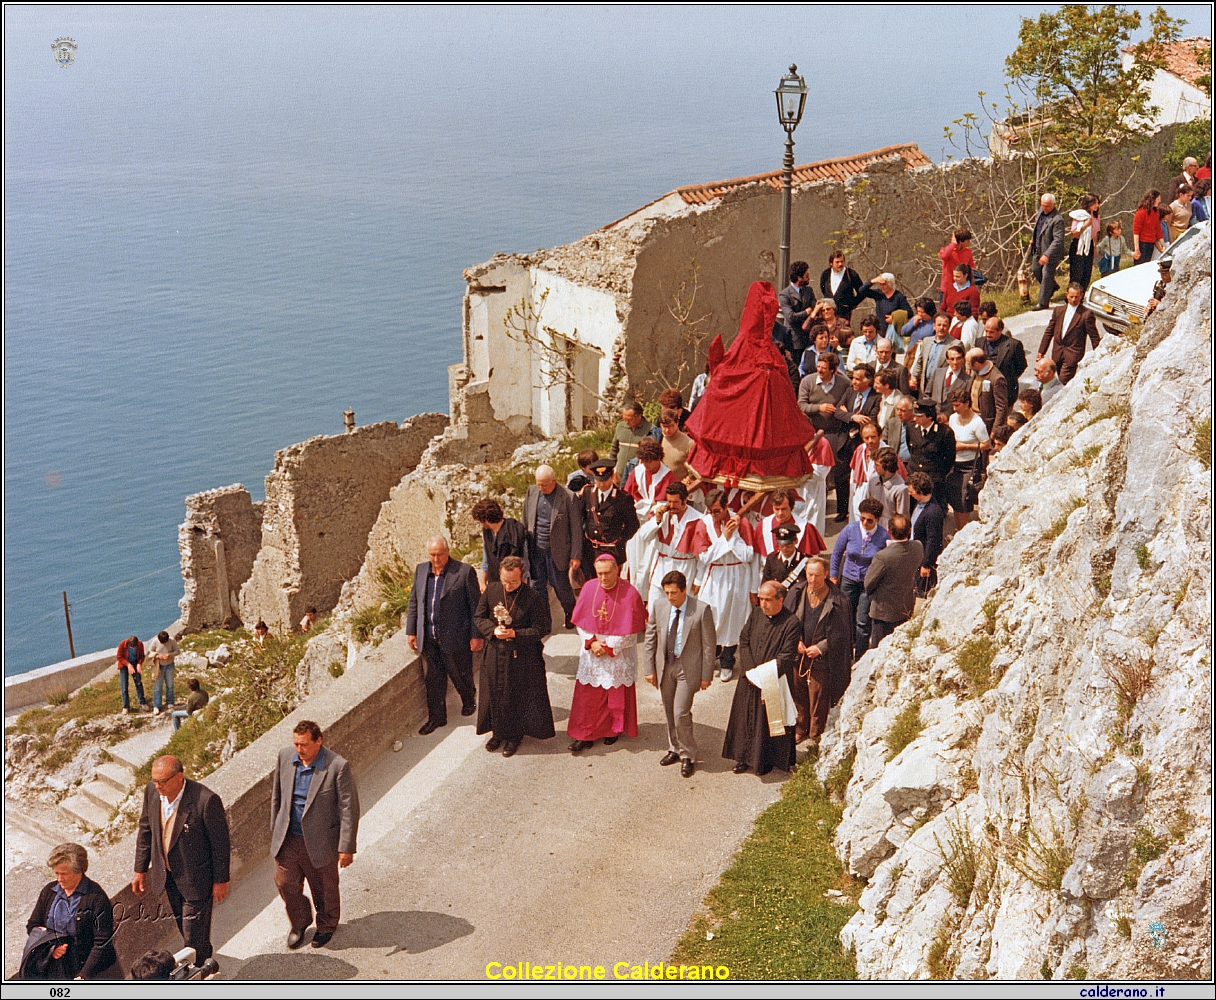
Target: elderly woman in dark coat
pixel 75 908
pixel 825 648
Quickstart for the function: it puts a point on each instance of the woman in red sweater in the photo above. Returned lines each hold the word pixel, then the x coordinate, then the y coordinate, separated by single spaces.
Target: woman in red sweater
pixel 961 288
pixel 957 251
pixel 1146 228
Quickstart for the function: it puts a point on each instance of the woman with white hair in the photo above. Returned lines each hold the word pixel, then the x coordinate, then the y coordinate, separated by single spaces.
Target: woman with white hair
pixel 72 926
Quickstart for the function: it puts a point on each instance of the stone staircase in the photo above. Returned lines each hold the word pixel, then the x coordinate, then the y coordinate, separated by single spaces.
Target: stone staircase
pixel 94 804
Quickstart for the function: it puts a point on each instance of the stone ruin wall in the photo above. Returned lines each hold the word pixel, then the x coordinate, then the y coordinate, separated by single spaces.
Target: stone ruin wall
pixel 321 501
pixel 219 541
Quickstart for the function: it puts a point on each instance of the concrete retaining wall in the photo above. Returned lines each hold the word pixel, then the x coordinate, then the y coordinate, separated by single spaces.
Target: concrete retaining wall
pixel 37 686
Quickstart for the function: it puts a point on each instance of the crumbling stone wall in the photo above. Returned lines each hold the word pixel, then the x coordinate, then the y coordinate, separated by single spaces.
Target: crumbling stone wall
pixel 219 541
pixel 321 501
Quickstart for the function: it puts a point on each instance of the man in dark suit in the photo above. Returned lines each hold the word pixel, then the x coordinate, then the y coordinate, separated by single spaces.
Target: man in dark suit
pixel 314 822
pixel 608 515
pixel 439 623
pixel 1066 331
pixel 182 849
pixel 1003 351
pixel 796 301
pixel 819 397
pixel 678 657
pixel 1048 246
pixel 989 390
pixel 953 373
pixel 858 406
pixel 555 538
pixel 928 527
pixel 885 352
pixel 931 444
pixel 891 580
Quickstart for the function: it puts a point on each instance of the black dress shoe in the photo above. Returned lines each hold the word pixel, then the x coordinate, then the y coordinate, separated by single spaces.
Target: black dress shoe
pixel 493 743
pixel 840 518
pixel 739 768
pixel 569 624
pixel 609 740
pixel 296 938
pixel 429 727
pixel 321 940
pixel 468 709
pixel 687 766
pixel 510 748
pixel 578 745
pixel 671 757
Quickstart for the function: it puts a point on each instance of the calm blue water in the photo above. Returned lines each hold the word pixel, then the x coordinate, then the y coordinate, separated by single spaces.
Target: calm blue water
pixel 224 226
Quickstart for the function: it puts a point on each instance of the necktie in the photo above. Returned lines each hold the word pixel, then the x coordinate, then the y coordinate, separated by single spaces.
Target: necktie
pixel 857 403
pixel 949 379
pixel 673 635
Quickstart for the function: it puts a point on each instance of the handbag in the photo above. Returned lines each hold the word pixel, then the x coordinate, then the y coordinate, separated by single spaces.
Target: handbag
pixel 975 482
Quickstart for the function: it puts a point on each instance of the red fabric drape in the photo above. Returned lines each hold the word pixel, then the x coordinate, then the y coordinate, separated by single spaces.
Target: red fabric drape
pixel 748 422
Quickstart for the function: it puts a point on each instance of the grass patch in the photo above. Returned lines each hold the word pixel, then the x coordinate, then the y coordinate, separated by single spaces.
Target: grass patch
pixel 250 694
pixel 938 960
pixel 906 727
pixel 1131 679
pixel 89 703
pixel 1078 972
pixel 1143 559
pixel 990 609
pixel 202 642
pixel 1043 862
pixel 966 861
pixel 1061 522
pixel 1179 595
pixel 1102 585
pixel 1203 443
pixel 1146 847
pixel 840 776
pixel 58 697
pixel 974 659
pixel 395 582
pixel 768 912
pixel 1091 453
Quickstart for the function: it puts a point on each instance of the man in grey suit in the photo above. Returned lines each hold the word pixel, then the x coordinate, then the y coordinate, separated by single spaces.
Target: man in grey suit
pixel 555 538
pixel 953 373
pixel 314 820
pixel 931 355
pixel 796 301
pixel 1048 246
pixel 891 580
pixel 819 397
pixel 679 656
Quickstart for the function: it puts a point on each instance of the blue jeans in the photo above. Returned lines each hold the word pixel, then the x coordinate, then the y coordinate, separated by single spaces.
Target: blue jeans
pixel 178 716
pixel 1108 265
pixel 165 681
pixel 139 687
pixel 545 572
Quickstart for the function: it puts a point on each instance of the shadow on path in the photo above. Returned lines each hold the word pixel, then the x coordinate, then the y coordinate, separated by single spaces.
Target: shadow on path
pixel 298 965
pixel 412 931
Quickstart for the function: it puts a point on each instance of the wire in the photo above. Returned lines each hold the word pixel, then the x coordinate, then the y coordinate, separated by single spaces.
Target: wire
pixel 101 593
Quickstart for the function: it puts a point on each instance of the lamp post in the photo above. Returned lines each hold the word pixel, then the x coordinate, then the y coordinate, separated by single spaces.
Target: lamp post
pixel 791 98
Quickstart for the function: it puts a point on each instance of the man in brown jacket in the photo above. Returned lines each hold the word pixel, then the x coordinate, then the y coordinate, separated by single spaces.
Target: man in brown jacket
pixel 1066 331
pixel 989 390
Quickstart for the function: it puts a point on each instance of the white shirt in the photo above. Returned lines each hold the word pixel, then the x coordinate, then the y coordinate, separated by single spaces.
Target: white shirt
pixel 168 809
pixel 1069 313
pixel 835 280
pixel 972 432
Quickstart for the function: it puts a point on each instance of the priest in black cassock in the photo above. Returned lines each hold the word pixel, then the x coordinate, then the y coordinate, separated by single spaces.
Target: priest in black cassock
pixel 514 698
pixel 771 633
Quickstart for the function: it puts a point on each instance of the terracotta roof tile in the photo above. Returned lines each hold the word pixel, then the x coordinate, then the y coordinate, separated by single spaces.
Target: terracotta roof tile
pixel 841 169
pixel 1179 58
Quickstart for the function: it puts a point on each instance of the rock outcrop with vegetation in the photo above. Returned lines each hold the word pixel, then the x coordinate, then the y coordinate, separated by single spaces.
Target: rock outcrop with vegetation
pixel 1028 760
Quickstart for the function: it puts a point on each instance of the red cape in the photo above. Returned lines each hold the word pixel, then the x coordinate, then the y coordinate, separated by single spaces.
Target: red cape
pixel 748 422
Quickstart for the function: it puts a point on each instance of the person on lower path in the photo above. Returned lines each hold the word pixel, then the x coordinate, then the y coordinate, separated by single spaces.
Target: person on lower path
pixel 729 575
pixel 440 626
pixel 825 648
pixel 609 617
pixel 162 651
pixel 314 823
pixel 196 701
pixel 760 732
pixel 182 848
pixel 678 658
pixel 555 538
pixel 130 662
pixel 514 701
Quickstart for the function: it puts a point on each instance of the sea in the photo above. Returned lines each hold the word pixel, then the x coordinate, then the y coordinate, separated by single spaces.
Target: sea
pixel 223 226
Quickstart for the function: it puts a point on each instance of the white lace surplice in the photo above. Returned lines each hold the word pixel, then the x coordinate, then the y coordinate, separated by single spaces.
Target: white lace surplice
pixel 620 670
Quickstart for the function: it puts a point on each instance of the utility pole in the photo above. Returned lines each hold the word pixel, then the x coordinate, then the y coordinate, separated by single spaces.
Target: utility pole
pixel 67 617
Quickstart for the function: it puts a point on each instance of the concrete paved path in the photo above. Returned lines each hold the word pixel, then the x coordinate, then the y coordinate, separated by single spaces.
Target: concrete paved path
pixel 467 858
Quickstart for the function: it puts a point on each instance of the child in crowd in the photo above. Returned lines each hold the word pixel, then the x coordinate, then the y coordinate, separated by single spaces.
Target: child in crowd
pixel 1111 248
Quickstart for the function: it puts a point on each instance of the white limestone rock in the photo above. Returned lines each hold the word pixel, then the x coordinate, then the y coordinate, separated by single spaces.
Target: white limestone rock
pixel 1085 814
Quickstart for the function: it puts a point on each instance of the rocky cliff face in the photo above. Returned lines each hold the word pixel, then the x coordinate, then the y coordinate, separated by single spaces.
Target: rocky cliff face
pixel 1030 757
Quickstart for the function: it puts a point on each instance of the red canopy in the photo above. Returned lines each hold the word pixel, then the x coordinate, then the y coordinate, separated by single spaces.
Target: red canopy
pixel 747 428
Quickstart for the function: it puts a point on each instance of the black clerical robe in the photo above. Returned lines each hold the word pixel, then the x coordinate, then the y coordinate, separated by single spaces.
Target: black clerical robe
pixel 514 697
pixel 747 738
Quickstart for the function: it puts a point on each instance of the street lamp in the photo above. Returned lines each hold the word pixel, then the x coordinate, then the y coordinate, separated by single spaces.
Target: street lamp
pixel 791 98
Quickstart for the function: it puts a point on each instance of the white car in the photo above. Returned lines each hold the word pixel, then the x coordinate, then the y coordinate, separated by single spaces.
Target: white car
pixel 1119 300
